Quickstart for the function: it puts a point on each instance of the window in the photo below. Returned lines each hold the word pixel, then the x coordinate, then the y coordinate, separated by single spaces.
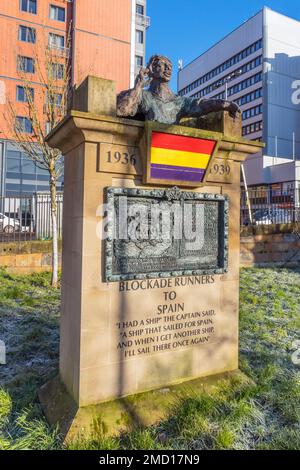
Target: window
pixel 47 127
pixel 13 162
pixel 25 64
pixel 23 124
pixel 57 13
pixel 139 61
pixel 251 128
pixel 236 73
pixel 254 95
pixel 28 5
pixel 28 166
pixel 249 113
pixel 57 71
pixel 22 95
pixel 245 84
pixel 55 99
pixel 140 9
pixel 139 36
pixel 56 41
pixel 27 34
pixel 221 68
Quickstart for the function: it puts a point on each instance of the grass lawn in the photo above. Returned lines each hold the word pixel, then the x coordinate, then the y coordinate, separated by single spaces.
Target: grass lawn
pixel 235 415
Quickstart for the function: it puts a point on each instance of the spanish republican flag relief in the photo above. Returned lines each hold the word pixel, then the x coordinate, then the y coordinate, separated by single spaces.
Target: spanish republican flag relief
pixel 176 157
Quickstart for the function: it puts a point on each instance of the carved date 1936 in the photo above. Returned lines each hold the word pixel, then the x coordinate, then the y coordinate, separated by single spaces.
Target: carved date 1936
pixel 118 157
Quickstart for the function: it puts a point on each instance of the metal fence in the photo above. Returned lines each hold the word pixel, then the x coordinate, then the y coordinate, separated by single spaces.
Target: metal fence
pixel 266 206
pixel 27 218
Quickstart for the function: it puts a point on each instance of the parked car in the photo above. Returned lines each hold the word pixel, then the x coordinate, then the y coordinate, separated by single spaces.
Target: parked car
pixel 273 216
pixel 9 224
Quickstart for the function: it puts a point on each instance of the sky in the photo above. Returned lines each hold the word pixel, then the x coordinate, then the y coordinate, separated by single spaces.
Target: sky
pixel 184 29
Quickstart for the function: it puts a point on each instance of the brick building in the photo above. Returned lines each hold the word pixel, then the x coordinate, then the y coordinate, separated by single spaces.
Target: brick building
pixel 99 37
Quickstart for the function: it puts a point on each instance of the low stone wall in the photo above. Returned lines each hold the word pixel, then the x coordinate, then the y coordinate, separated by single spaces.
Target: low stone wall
pixel 266 245
pixel 27 257
pixel 260 246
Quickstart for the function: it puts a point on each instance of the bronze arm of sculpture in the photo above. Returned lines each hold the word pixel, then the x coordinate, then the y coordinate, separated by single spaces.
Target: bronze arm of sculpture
pixel 128 101
pixel 201 107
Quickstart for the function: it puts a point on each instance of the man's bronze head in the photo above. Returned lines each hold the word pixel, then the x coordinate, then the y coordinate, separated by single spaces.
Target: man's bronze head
pixel 160 68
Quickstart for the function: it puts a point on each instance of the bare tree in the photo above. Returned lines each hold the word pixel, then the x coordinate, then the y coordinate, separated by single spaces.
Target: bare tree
pixel 45 105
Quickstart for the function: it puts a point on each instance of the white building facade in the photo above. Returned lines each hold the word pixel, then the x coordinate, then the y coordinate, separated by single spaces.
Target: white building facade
pixel 139 24
pixel 258 66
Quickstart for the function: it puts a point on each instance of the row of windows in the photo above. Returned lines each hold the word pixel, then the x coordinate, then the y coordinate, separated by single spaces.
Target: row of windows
pixel 251 128
pixel 249 113
pixel 56 70
pixel 55 13
pixel 245 84
pixel 246 68
pixel 221 68
pixel 23 124
pixel 28 34
pixel 219 96
pixel 254 95
pixel 27 65
pixel 22 175
pixel 22 188
pixel 248 98
pixel 27 175
pixel 24 95
pixel 18 163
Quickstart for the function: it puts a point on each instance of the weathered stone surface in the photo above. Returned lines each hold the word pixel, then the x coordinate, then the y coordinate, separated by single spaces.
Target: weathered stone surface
pixel 96 95
pixel 281 248
pixel 126 414
pixel 126 337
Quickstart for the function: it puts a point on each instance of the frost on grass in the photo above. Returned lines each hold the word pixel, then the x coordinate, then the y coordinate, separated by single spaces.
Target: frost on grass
pixel 261 413
pixel 29 316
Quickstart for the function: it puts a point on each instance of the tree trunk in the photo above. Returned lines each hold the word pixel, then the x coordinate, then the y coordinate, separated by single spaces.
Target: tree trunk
pixel 54 281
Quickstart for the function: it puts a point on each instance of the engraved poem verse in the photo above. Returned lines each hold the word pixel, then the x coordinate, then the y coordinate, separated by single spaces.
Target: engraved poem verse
pixel 172 325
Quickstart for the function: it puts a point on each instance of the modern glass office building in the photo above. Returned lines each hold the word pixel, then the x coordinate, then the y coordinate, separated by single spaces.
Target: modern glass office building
pixel 21 176
pixel 258 66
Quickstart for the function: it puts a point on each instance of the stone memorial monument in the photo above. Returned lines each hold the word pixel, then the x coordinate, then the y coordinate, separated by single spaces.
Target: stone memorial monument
pixel 150 276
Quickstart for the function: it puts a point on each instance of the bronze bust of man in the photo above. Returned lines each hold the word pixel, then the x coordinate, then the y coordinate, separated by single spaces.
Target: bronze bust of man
pixel 159 103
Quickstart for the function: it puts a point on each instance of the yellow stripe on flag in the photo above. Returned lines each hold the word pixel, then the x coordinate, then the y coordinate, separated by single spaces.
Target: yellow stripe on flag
pixel 179 158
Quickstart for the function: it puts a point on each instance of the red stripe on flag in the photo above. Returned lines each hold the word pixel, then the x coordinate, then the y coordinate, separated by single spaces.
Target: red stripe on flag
pixel 179 142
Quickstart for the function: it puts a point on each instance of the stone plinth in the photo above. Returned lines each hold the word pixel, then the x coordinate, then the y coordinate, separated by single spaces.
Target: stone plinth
pixel 97 362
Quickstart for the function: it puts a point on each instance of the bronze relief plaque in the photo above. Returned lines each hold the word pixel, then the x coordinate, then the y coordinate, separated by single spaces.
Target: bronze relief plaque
pixel 165 233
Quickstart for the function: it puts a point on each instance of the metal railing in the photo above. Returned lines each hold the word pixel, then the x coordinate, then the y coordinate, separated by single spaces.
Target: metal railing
pixel 267 206
pixel 27 218
pixel 143 20
pixel 62 50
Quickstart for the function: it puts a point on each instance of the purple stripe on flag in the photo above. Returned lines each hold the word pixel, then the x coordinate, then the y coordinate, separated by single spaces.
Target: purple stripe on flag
pixel 180 168
pixel 179 174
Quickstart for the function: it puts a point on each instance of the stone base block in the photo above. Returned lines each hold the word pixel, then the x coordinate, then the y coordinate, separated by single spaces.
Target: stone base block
pixel 125 414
